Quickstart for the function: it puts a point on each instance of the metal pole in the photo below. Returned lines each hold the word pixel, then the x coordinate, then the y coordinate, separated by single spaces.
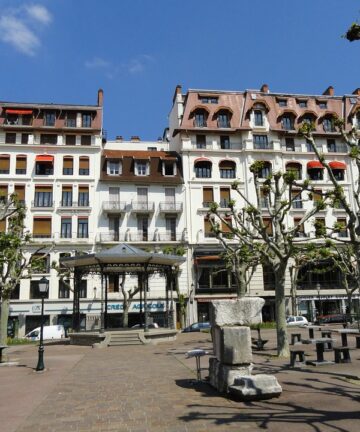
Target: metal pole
pixel 145 280
pixel 106 302
pixel 40 366
pixel 171 301
pixel 140 282
pixel 102 330
pixel 167 301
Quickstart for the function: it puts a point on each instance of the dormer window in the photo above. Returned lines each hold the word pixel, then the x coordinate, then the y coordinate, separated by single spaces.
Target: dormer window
pixel 328 124
pixel 113 167
pixel 258 118
pixel 86 120
pixel 208 99
pixel 142 168
pixel 20 117
pixel 287 122
pixel 200 117
pixel 169 168
pixel 302 103
pixel 49 118
pixel 223 119
pixel 70 119
pixel 282 102
pixel 322 104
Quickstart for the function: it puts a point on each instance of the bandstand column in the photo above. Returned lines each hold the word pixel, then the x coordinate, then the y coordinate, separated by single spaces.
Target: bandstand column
pixel 106 278
pixel 76 300
pixel 167 284
pixel 145 286
pixel 102 303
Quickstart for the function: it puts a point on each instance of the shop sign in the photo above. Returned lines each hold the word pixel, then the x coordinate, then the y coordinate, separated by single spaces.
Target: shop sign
pixel 135 307
pixel 322 297
pixel 36 309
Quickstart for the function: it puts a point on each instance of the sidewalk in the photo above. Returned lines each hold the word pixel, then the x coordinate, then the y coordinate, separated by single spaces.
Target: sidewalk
pixel 148 388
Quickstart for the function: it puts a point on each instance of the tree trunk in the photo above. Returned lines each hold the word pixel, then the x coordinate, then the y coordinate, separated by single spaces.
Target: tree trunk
pixel 350 309
pixel 280 310
pixel 240 276
pixel 4 316
pixel 125 315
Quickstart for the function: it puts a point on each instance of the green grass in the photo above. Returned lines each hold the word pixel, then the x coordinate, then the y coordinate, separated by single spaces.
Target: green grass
pixel 16 341
pixel 264 325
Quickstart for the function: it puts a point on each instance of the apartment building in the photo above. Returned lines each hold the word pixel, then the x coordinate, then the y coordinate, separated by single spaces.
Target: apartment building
pixel 141 195
pixel 219 134
pixel 50 157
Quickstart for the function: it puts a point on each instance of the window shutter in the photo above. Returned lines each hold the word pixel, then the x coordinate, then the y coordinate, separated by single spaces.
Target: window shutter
pixel 68 162
pixel 2 226
pixel 20 192
pixel 4 163
pixel 208 195
pixel 67 188
pixel 224 227
pixel 224 194
pixel 42 227
pixel 83 189
pixel 207 225
pixel 21 162
pixel 3 190
pixel 84 163
pixel 43 189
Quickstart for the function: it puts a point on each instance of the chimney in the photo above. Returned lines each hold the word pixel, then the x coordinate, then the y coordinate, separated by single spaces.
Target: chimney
pixel 100 100
pixel 264 88
pixel 178 91
pixel 356 91
pixel 118 138
pixel 329 91
pixel 135 138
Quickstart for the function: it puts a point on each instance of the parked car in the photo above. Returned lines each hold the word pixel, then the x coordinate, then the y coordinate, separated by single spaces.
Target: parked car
pixel 300 321
pixel 49 332
pixel 152 325
pixel 197 327
pixel 332 318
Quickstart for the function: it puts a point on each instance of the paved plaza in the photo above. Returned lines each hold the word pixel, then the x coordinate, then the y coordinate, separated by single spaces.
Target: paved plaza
pixel 150 388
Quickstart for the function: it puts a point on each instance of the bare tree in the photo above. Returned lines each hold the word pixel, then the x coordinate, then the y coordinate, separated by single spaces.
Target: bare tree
pixel 128 295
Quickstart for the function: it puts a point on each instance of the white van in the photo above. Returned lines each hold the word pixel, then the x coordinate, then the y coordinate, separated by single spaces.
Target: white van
pixel 49 332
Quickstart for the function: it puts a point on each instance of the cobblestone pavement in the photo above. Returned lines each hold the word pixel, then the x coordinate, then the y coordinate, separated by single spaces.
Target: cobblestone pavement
pixel 149 388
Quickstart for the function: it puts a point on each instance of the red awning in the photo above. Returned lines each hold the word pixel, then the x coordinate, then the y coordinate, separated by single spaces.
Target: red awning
pixel 315 165
pixel 202 159
pixel 44 158
pixel 15 111
pixel 337 165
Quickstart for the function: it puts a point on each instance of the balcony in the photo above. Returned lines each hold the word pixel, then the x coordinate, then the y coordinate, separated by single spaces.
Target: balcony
pixel 224 203
pixel 297 204
pixel 171 207
pixel 82 205
pixel 140 236
pixel 42 205
pixel 114 206
pixel 142 206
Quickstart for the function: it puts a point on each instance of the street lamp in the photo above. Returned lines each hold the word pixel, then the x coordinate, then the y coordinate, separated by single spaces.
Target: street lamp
pixel 43 288
pixel 318 288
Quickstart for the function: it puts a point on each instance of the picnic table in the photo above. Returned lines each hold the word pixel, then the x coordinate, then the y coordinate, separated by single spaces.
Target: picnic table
pixel 311 330
pixel 344 333
pixel 320 348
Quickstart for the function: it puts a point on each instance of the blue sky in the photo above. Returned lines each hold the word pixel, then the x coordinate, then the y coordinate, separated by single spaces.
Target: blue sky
pixel 139 50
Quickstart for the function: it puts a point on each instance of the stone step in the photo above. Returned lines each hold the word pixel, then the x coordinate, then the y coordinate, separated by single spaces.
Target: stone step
pixel 120 339
pixel 124 343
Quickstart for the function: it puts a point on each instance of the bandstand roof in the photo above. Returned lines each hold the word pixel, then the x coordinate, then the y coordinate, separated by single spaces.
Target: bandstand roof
pixel 122 258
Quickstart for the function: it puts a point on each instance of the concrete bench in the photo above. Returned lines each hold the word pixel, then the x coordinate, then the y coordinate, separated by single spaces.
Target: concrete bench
pixel 294 354
pixel 357 341
pixel 342 355
pixel 326 333
pixel 295 337
pixel 2 347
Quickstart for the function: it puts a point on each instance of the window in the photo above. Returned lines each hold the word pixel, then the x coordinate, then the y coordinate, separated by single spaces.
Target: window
pixel 203 169
pixel 200 141
pixel 70 120
pixel 282 102
pixel 12 119
pixel 320 229
pixel 3 193
pixel 208 197
pixel 200 118
pixel 258 118
pixel 42 227
pixel 49 119
pixel 331 146
pixel 265 170
pixel 113 283
pixel 224 197
pixel 268 278
pixel 20 193
pixel 70 139
pixel 35 292
pixel 328 124
pixel 40 263
pixel 66 231
pixel 4 164
pixel 83 289
pixel 301 231
pixel 83 228
pixel 44 168
pixel 296 199
pixel 342 225
pixel 43 196
pixel 113 167
pixel 264 198
pixel 85 140
pixel 290 144
pixel 223 119
pixel 322 104
pixel 141 168
pixel 317 195
pixel 226 227
pixel 48 139
pixel 84 165
pixel 325 275
pixel 302 103
pixel 64 290
pixel 227 169
pixel 170 223
pixel 261 142
pixel 208 228
pixel 86 120
pixel 339 174
pixel 316 173
pixel 169 168
pixel 288 122
pixel 68 165
pixel 83 200
pixel 225 142
pixel 20 164
pixel 2 225
pixel 143 227
pixel 295 169
pixel 309 119
pixel 268 226
pixel 208 99
pixel 152 149
pixel 10 138
pixel 25 138
pixel 67 196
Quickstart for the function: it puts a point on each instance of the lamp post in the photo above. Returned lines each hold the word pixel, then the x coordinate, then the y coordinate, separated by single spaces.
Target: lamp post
pixel 43 288
pixel 318 288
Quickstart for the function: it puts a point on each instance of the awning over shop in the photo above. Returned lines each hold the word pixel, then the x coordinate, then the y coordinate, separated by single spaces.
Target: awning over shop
pixel 44 158
pixel 337 165
pixel 315 165
pixel 19 112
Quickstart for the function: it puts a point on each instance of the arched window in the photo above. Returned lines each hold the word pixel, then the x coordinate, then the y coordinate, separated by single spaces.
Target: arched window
pixel 227 169
pixel 84 167
pixel 338 169
pixel 4 164
pixel 203 168
pixel 223 118
pixel 295 169
pixel 315 170
pixel 68 165
pixel 288 121
pixel 265 170
pixel 328 124
pixel 200 117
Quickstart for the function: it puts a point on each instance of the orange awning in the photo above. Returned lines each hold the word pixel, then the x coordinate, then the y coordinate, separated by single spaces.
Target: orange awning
pixel 207 258
pixel 15 111
pixel 202 159
pixel 337 165
pixel 315 165
pixel 44 158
